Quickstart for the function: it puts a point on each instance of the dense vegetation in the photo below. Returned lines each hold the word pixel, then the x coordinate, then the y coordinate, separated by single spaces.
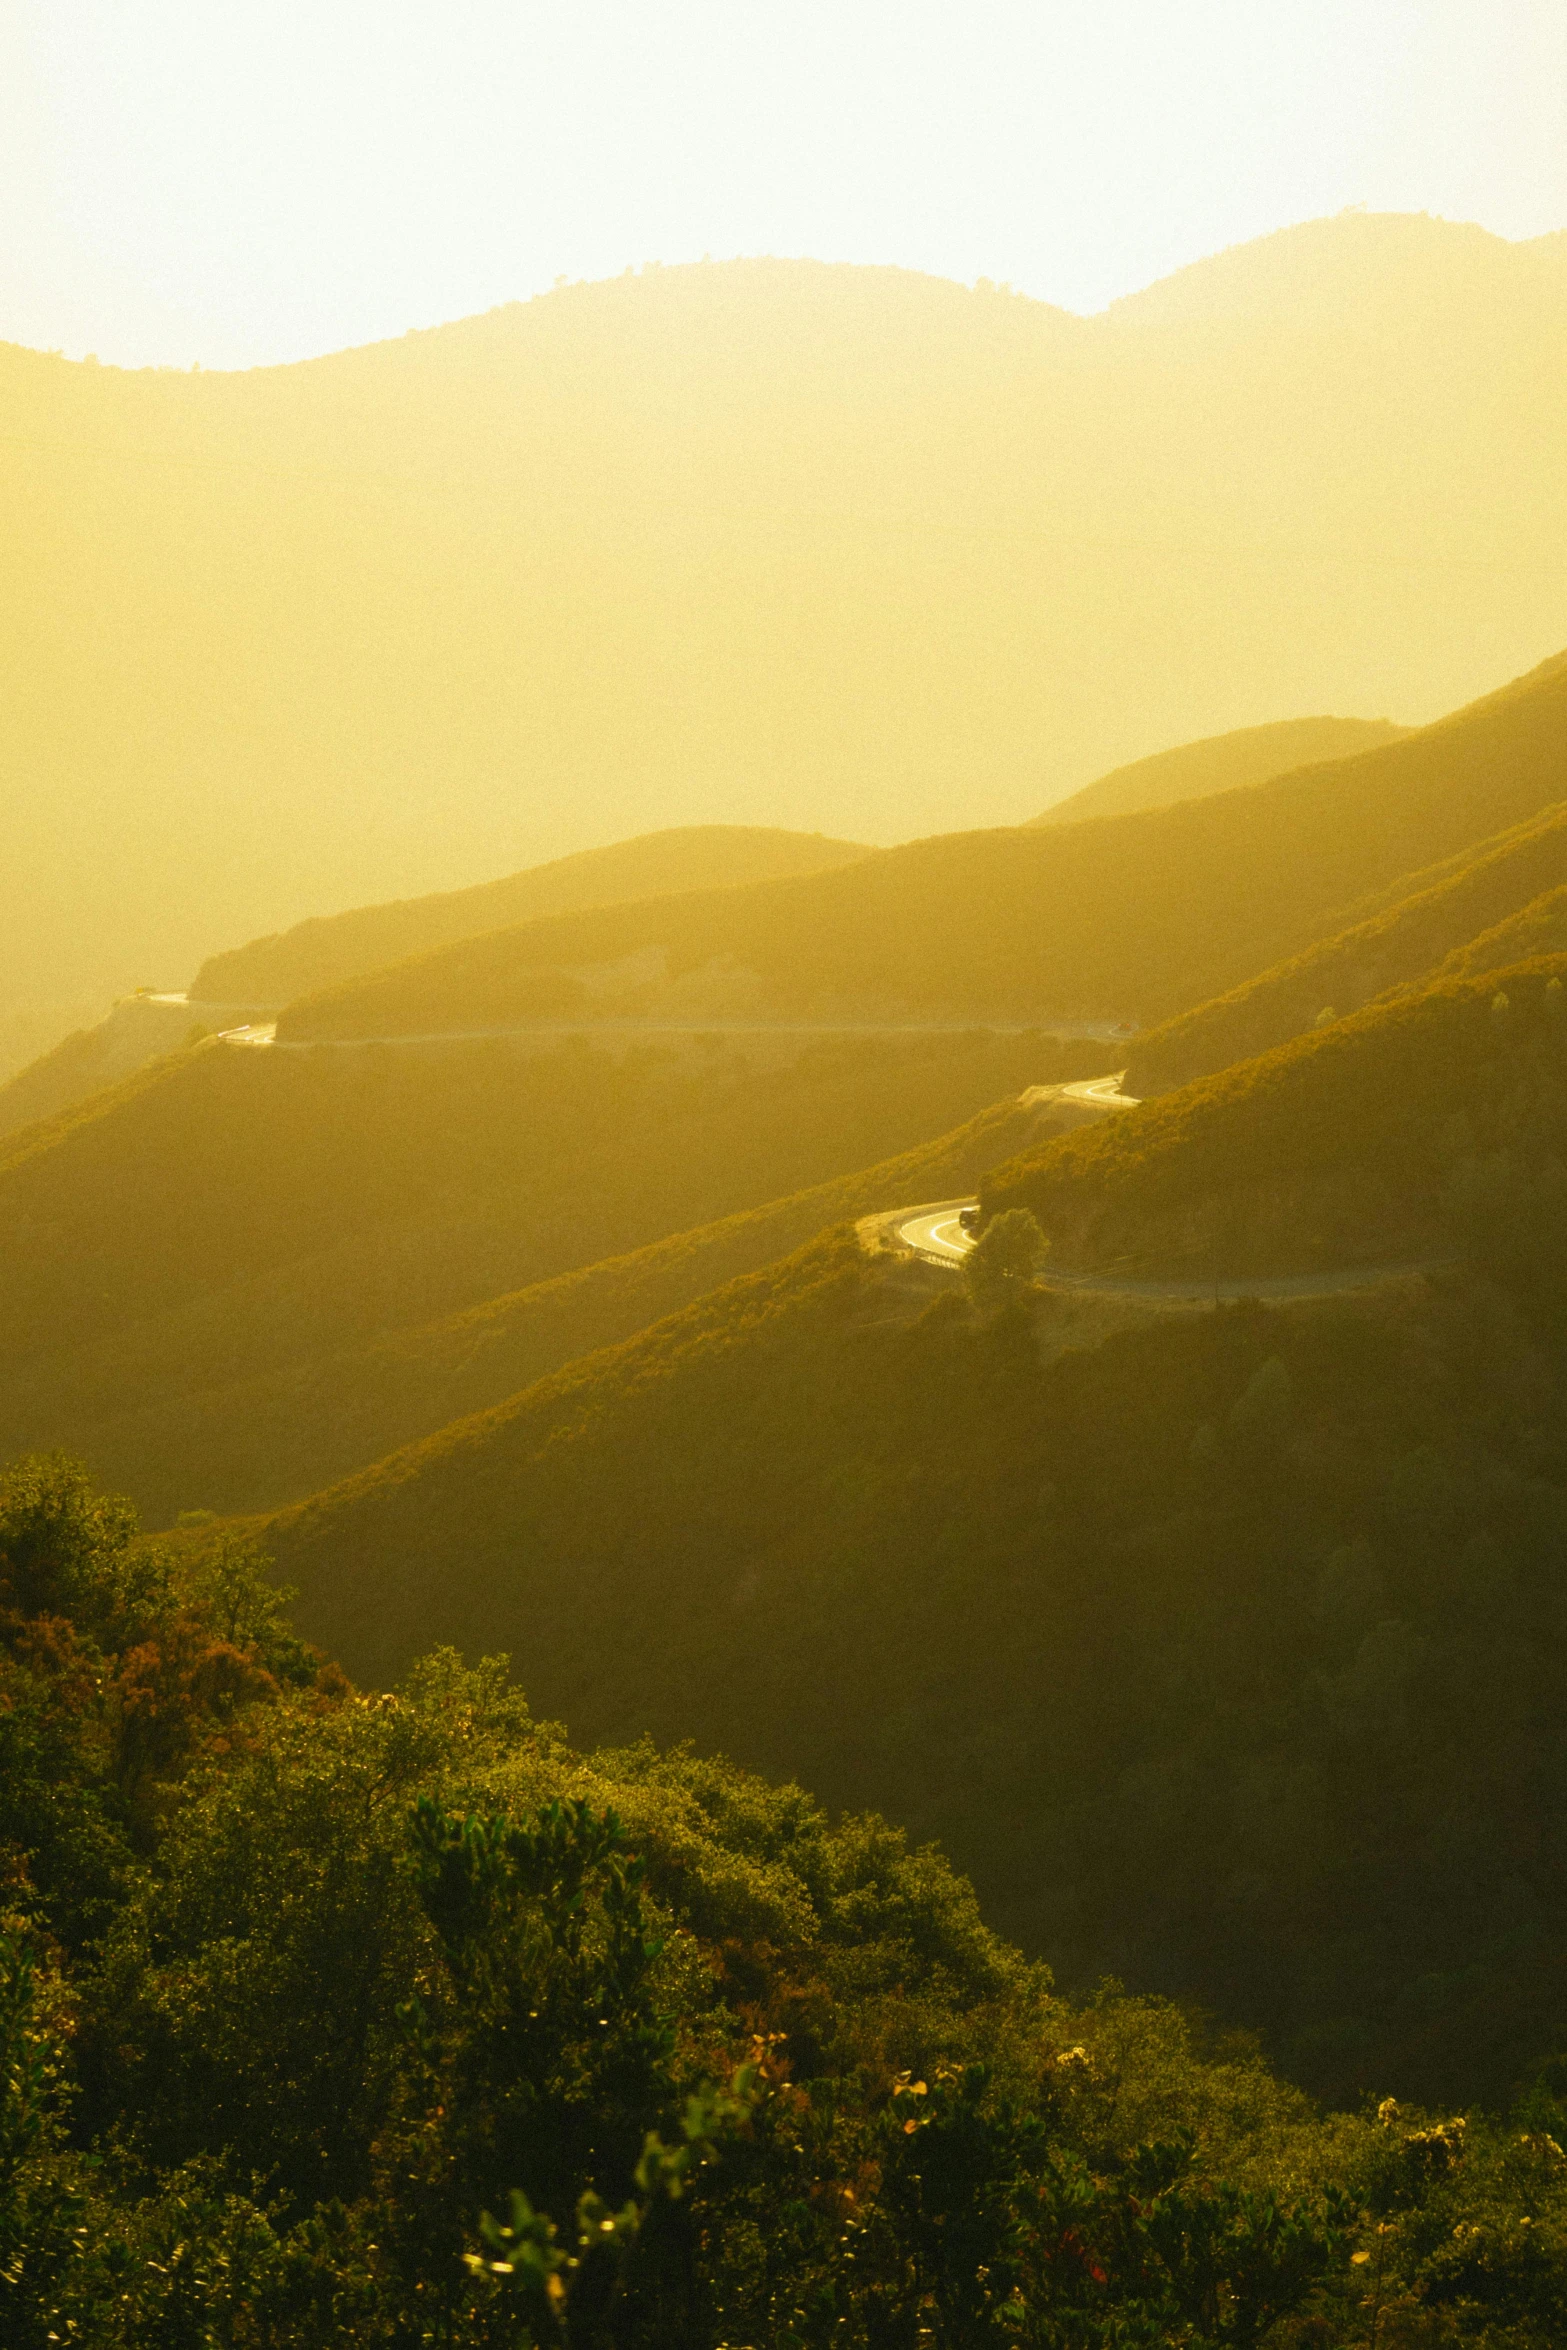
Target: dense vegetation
pixel 234 1278
pixel 1224 1653
pixel 1136 916
pixel 187 1427
pixel 1432 1123
pixel 332 947
pixel 1494 904
pixel 332 2020
pixel 534 2004
pixel 1222 762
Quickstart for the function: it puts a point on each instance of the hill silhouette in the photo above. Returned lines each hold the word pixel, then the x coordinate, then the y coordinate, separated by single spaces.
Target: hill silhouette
pixel 332 947
pixel 763 542
pixel 249 982
pixel 1224 762
pixel 1134 917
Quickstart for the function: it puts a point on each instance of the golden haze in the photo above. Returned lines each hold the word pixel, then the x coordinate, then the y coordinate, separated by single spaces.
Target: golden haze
pixel 840 548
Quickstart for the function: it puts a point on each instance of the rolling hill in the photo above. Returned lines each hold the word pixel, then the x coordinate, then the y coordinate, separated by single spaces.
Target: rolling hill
pixel 1432 1123
pixel 202 1408
pixel 1490 905
pixel 1225 1654
pixel 1133 917
pixel 765 542
pixel 1252 754
pixel 333 947
pixel 219 1279
pixel 248 982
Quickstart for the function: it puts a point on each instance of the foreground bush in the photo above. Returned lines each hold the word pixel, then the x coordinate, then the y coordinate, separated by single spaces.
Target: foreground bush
pixel 340 2020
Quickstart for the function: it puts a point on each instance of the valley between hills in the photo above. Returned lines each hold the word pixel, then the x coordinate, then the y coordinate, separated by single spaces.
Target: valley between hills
pixel 862 1543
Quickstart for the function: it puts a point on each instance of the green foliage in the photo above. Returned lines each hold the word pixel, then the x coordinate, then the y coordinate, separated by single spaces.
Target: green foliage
pixel 417 2026
pixel 1004 1260
pixel 119 1665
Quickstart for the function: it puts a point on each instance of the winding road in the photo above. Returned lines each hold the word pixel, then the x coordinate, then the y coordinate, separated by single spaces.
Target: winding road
pixel 935 1232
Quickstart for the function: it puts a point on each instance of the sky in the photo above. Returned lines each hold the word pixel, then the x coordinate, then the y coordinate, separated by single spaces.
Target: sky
pixel 222 183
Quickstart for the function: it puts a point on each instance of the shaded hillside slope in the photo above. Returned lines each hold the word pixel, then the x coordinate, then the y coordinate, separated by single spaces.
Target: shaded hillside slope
pixel 232 1216
pixel 760 542
pixel 140 1029
pixel 1539 928
pixel 84 1062
pixel 332 947
pixel 1224 762
pixel 1226 1655
pixel 250 982
pixel 1135 916
pixel 1470 902
pixel 194 1410
pixel 1428 1123
pixel 233 1932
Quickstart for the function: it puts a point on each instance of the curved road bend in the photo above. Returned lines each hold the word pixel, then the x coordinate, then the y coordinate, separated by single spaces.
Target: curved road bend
pixel 935 1233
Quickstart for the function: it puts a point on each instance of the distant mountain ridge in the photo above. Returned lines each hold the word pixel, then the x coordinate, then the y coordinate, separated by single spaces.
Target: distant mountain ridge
pixel 767 542
pixel 333 947
pixel 248 982
pixel 1136 917
pixel 1222 762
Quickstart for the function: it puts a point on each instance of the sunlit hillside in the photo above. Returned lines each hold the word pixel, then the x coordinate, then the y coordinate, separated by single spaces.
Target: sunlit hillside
pixel 232 1233
pixel 1252 754
pixel 233 1403
pixel 823 547
pixel 331 947
pixel 1496 903
pixel 1133 918
pixel 1432 1124
pixel 248 982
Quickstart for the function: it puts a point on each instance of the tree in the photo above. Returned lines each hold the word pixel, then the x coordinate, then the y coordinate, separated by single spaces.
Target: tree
pixel 1004 1259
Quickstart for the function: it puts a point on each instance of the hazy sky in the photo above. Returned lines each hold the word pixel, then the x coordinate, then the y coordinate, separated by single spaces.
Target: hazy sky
pixel 221 181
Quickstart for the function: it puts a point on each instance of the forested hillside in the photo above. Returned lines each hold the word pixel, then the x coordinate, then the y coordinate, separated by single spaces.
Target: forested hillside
pixel 1431 1122
pixel 212 1254
pixel 367 2021
pixel 1224 1655
pixel 1490 905
pixel 1224 762
pixel 1135 917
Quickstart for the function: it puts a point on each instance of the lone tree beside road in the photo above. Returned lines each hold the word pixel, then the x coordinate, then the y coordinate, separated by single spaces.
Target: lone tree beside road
pixel 1004 1259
